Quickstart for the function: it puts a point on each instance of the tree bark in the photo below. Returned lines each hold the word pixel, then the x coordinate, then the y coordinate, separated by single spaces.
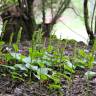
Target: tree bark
pixel 19 16
pixel 29 20
pixel 86 18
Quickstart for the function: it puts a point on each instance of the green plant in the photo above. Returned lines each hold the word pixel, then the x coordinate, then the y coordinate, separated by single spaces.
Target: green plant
pixel 84 60
pixel 40 64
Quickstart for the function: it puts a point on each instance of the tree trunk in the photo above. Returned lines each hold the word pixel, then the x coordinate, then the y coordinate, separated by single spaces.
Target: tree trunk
pixel 19 16
pixel 86 18
pixel 29 20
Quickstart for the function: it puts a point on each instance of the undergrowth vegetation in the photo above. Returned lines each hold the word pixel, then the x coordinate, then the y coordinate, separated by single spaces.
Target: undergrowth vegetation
pixel 45 64
pixel 53 64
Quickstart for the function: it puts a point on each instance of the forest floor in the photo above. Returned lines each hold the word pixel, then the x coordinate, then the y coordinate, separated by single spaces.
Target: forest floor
pixel 78 86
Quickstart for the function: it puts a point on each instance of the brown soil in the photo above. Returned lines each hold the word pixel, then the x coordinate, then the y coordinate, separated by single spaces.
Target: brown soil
pixel 77 87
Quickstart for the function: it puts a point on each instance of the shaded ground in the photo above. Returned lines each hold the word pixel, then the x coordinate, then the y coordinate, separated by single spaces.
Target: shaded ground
pixel 78 87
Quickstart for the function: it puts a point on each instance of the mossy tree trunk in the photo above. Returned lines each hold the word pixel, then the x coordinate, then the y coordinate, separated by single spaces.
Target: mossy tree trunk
pixel 29 20
pixel 87 25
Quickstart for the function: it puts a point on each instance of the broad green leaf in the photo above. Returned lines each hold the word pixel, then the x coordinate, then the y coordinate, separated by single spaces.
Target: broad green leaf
pixel 70 64
pixel 17 56
pixel 44 70
pixel 8 57
pixel 90 74
pixel 68 68
pixel 10 67
pixel 30 66
pixel 1 43
pixel 42 76
pixel 27 59
pixel 15 46
pixel 20 66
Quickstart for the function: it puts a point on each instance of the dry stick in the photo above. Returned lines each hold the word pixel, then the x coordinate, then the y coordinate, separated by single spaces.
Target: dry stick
pixel 63 6
pixel 95 27
pixel 76 11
